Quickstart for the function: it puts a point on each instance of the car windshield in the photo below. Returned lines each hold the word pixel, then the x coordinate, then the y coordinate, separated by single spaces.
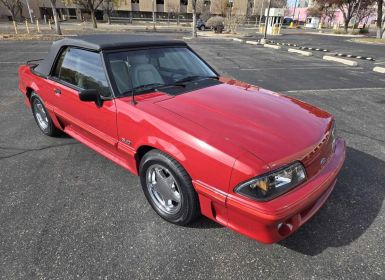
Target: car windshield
pixel 144 70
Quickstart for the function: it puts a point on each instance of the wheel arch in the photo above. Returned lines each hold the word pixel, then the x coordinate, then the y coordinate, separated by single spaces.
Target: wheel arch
pixel 163 146
pixel 28 93
pixel 140 152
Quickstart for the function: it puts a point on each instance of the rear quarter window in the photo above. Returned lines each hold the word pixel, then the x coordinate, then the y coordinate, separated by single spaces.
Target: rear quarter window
pixel 82 69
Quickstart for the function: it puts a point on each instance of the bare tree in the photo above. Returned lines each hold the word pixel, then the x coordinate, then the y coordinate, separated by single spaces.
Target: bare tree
pixel 90 6
pixel 278 3
pixel 173 8
pixel 108 7
pixel 219 7
pixel 12 6
pixel 328 12
pixel 234 21
pixel 314 11
pixel 55 17
pixel 348 8
pixel 380 19
pixel 20 6
pixel 363 13
pixel 200 5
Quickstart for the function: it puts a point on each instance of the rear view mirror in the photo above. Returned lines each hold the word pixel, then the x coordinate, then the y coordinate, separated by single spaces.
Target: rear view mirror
pixel 91 95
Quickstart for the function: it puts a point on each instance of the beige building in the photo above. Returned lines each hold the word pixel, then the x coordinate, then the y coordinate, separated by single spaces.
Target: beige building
pixel 144 9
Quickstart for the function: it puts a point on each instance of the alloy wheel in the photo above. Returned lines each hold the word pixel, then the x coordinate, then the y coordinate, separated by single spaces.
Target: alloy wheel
pixel 163 189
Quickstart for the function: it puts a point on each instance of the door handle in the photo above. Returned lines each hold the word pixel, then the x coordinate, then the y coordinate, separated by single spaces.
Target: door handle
pixel 57 91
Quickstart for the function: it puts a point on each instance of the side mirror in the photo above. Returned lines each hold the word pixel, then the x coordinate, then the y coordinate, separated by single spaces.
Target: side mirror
pixel 91 95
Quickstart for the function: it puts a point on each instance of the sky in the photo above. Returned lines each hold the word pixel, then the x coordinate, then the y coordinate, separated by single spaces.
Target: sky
pixel 291 3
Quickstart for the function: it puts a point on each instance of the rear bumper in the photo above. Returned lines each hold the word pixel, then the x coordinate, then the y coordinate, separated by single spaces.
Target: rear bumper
pixel 272 221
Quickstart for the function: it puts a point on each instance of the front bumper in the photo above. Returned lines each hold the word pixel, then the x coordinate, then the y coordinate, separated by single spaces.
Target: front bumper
pixel 272 221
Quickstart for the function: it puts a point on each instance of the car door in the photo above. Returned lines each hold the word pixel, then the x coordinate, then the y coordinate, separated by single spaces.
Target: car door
pixel 76 70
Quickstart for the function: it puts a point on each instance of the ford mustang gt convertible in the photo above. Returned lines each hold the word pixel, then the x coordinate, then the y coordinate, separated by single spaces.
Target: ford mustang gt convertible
pixel 250 159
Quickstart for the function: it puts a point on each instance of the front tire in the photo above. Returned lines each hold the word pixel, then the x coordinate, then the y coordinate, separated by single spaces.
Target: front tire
pixel 168 188
pixel 42 117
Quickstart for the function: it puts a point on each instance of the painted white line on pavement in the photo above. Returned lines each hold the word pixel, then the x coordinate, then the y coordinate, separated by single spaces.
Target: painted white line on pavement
pixel 26 52
pixel 333 89
pixel 294 68
pixel 12 62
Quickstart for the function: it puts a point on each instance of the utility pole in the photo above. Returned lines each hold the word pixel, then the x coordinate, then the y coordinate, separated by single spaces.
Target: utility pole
pixel 153 14
pixel 263 40
pixel 295 6
pixel 357 15
pixel 194 14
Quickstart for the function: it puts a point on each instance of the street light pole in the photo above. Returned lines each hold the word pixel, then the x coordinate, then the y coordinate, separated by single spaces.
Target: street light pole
pixel 263 40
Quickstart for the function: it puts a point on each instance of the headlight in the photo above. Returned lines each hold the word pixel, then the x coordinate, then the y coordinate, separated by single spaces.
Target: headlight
pixel 272 184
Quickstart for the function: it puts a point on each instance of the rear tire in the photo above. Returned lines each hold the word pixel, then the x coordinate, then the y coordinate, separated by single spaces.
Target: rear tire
pixel 42 117
pixel 168 188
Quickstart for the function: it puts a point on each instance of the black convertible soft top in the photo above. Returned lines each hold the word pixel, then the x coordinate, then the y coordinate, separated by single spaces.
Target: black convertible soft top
pixel 99 42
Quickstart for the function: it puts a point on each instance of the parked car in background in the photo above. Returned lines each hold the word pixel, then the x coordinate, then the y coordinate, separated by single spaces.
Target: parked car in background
pixel 250 159
pixel 287 21
pixel 201 24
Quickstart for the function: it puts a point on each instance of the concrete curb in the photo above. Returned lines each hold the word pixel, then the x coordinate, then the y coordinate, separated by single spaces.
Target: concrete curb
pixel 340 60
pixel 252 42
pixel 305 53
pixel 314 49
pixel 379 69
pixel 238 40
pixel 272 46
pixel 355 56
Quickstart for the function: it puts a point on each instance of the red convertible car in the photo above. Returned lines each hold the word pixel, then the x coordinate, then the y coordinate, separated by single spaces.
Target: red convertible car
pixel 250 159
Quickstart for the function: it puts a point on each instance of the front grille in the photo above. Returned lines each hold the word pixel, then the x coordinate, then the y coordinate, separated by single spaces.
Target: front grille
pixel 319 156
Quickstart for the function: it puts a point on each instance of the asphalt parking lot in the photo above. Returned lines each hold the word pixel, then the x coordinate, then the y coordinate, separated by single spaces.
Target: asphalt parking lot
pixel 67 213
pixel 334 44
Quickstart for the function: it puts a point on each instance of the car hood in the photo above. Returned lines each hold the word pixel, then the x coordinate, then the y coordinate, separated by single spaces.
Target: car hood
pixel 275 128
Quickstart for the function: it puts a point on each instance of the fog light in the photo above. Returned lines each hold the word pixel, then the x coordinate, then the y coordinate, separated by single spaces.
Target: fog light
pixel 284 228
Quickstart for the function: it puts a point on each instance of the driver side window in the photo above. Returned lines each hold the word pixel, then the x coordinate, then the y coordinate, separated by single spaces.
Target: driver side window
pixel 82 69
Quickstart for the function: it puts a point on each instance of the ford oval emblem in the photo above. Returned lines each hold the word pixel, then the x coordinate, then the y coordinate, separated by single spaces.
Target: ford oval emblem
pixel 323 161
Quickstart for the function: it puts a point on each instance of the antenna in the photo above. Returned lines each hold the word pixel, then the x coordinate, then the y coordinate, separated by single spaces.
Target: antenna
pixel 133 101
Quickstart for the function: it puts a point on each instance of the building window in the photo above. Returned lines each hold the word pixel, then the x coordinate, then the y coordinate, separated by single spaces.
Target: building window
pixel 135 1
pixel 160 2
pixel 183 2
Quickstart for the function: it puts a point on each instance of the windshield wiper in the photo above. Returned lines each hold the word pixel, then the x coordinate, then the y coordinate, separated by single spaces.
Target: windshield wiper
pixel 143 88
pixel 192 78
pixel 178 83
pixel 147 86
